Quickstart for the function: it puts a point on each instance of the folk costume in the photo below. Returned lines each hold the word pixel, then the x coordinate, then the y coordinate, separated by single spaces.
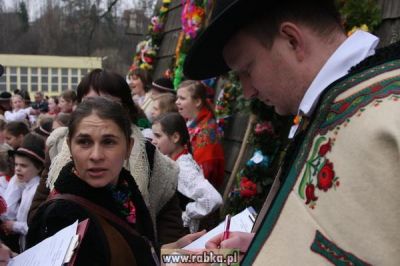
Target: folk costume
pixel 339 198
pixel 106 242
pixel 207 148
pixel 18 197
pixel 198 197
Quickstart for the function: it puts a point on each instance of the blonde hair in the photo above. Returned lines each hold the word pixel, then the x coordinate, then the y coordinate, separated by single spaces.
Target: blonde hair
pixel 166 103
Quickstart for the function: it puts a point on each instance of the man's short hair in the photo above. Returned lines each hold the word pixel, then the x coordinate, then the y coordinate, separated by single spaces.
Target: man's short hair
pixel 321 16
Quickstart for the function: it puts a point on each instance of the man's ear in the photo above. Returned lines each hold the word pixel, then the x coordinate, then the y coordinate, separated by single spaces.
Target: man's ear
pixel 130 146
pixel 294 37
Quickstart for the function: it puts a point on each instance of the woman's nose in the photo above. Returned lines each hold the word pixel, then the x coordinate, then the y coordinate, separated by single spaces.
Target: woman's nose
pixel 96 153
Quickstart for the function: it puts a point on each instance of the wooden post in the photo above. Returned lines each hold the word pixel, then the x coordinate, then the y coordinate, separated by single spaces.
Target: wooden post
pixel 239 158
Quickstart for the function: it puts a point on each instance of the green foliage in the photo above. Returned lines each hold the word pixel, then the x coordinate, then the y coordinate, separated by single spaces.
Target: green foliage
pixel 358 12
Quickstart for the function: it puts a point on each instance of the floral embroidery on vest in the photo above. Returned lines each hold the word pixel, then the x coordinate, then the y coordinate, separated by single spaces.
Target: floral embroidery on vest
pixel 318 174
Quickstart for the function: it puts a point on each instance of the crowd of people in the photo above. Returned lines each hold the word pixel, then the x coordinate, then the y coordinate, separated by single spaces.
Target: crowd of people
pixel 143 160
pixel 97 146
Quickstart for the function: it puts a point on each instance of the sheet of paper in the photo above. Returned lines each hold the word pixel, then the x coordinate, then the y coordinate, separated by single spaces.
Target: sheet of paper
pixel 49 252
pixel 242 222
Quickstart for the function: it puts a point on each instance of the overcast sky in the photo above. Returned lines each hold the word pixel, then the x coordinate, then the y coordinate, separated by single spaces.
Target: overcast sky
pixel 35 6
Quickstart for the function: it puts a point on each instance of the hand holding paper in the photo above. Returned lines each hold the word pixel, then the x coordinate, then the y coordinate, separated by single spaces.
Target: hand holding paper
pixel 241 222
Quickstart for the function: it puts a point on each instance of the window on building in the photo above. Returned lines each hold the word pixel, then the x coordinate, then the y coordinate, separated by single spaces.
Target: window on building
pixel 13 78
pixel 44 78
pixel 54 79
pixel 3 81
pixel 74 78
pixel 34 79
pixel 84 71
pixel 23 75
pixel 64 78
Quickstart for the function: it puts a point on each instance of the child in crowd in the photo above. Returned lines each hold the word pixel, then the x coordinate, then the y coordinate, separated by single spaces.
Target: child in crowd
pixel 61 120
pixel 197 196
pixel 29 161
pixel 6 168
pixel 53 106
pixel 19 112
pixel 14 133
pixel 67 101
pixel 161 86
pixel 204 135
pixel 45 127
pixel 164 103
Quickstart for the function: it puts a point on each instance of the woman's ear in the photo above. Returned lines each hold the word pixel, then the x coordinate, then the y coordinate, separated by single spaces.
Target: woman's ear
pixel 176 137
pixel 197 103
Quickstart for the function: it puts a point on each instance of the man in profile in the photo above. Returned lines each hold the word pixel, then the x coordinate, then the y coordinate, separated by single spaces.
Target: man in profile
pixel 338 199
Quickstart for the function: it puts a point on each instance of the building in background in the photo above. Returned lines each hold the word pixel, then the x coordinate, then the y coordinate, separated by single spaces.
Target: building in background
pixel 48 74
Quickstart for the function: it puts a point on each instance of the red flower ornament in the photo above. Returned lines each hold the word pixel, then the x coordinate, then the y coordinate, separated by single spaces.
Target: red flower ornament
pixel 326 176
pixel 310 193
pixel 247 188
pixel 323 150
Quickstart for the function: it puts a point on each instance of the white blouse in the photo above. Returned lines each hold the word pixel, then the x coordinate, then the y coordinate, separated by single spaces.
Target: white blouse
pixel 192 184
pixel 19 115
pixel 19 196
pixel 3 185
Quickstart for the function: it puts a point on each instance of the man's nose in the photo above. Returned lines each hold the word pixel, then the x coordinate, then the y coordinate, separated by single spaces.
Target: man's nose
pixel 248 89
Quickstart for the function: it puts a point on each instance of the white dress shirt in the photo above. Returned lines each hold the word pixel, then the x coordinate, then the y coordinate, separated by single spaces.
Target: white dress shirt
pixel 352 51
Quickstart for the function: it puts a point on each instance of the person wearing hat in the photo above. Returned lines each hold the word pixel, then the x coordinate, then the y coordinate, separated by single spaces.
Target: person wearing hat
pixel 5 102
pixel 161 86
pixel 29 161
pixel 337 192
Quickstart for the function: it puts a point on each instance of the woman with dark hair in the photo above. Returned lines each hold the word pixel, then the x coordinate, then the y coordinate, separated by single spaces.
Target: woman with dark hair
pixel 95 185
pixel 140 82
pixel 155 174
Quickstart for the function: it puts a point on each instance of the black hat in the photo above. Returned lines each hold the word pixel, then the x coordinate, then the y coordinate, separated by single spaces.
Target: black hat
pixel 32 147
pixel 5 96
pixel 44 129
pixel 163 84
pixel 204 59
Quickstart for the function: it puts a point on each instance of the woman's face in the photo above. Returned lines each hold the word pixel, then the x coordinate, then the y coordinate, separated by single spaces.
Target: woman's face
pixel 187 106
pixel 65 106
pixel 136 85
pixel 52 105
pixel 25 170
pixel 99 148
pixel 17 103
pixel 162 141
pixel 14 141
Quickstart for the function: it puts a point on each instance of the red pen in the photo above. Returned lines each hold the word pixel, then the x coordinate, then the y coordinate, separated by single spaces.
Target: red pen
pixel 227 226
